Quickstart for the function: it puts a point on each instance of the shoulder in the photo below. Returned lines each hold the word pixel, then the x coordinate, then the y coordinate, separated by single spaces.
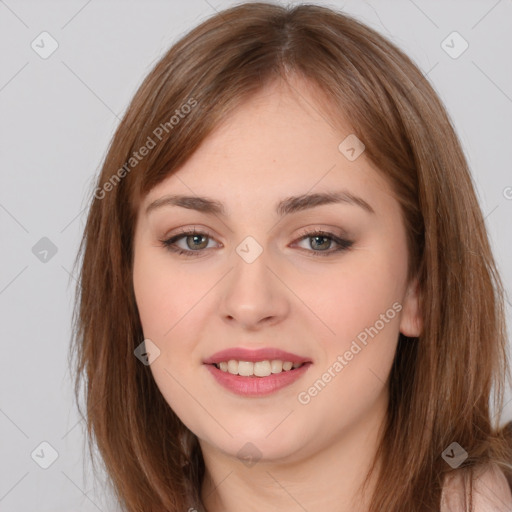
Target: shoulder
pixel 491 492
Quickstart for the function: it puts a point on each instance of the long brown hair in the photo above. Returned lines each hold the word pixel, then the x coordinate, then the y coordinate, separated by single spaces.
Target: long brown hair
pixel 441 382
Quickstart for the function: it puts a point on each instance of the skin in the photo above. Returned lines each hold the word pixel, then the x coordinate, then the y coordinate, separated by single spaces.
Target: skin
pixel 313 455
pixel 491 492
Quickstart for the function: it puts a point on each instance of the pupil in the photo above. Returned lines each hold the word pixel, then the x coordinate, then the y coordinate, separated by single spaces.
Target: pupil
pixel 195 237
pixel 320 237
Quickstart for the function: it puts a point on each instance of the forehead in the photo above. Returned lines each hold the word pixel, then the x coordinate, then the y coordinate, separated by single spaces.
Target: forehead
pixel 278 143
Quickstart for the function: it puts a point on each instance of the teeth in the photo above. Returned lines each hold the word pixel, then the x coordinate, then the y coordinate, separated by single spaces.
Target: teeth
pixel 233 366
pixel 276 366
pixel 258 369
pixel 245 368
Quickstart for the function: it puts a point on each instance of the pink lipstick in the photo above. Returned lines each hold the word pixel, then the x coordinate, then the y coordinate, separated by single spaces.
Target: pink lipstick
pixel 252 385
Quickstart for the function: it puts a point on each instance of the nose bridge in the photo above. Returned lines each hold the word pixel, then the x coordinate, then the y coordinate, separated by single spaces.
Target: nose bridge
pixel 252 292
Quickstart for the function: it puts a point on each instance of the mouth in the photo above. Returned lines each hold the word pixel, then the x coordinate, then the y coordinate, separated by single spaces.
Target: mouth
pixel 256 379
pixel 260 355
pixel 257 369
pixel 256 372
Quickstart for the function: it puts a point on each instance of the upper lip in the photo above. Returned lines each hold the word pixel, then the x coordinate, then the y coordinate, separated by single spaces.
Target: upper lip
pixel 254 355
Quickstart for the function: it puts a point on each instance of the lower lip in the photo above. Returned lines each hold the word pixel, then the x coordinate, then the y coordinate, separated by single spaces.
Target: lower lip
pixel 257 386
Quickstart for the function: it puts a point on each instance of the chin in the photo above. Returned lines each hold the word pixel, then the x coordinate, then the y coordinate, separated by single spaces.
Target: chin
pixel 251 447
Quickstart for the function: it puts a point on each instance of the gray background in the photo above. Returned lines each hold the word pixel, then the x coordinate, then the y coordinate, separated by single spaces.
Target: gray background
pixel 58 115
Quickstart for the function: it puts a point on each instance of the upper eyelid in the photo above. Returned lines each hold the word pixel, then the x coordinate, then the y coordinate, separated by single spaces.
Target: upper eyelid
pixel 197 229
pixel 183 232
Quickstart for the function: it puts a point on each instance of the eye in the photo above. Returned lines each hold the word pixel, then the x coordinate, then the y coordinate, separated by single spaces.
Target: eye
pixel 318 240
pixel 196 240
pixel 193 239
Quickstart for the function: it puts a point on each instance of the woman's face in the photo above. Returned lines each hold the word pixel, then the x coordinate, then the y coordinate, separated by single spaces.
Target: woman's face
pixel 254 279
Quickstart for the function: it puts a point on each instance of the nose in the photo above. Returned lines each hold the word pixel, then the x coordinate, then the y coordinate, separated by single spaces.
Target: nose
pixel 254 294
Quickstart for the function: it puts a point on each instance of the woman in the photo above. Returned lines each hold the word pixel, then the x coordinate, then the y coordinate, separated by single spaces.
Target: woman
pixel 227 365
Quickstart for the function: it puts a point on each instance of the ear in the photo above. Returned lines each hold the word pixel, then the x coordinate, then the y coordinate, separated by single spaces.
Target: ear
pixel 411 322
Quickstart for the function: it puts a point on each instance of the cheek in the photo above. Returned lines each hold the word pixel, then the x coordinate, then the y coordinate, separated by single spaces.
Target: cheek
pixel 165 302
pixel 168 302
pixel 352 296
pixel 163 294
pixel 151 294
pixel 360 308
pixel 362 311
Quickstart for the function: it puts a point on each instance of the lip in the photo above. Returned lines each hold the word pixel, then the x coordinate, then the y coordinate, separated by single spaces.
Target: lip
pixel 257 386
pixel 254 355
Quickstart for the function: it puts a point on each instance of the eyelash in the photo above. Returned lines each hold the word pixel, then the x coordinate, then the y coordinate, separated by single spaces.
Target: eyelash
pixel 343 244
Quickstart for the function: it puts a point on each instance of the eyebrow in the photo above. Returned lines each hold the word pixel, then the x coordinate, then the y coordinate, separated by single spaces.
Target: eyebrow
pixel 286 206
